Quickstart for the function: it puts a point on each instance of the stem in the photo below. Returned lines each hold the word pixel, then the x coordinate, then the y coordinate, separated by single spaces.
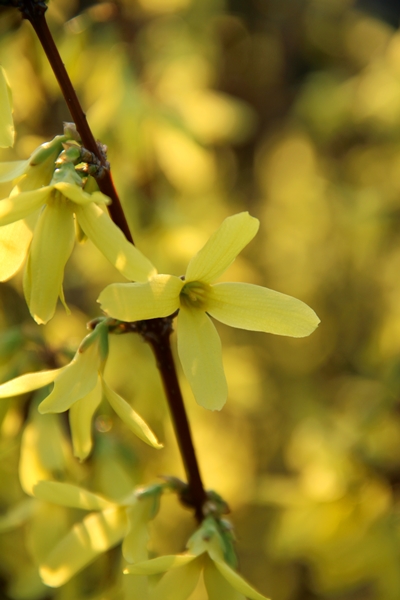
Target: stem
pixel 157 333
pixel 35 14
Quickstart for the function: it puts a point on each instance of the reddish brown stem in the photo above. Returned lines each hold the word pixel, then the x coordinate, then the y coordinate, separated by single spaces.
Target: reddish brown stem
pixel 106 184
pixel 157 333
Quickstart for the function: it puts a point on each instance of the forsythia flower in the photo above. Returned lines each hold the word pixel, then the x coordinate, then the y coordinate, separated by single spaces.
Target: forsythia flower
pixel 241 305
pixel 111 523
pixel 79 387
pixel 54 206
pixel 205 554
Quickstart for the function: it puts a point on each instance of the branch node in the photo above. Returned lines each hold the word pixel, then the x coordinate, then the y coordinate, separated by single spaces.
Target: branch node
pixel 30 9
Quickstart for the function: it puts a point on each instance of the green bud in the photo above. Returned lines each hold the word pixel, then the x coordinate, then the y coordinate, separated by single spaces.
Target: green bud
pixel 54 147
pixel 72 153
pixel 87 341
pixel 71 132
pixel 225 529
pixel 216 505
pixel 66 173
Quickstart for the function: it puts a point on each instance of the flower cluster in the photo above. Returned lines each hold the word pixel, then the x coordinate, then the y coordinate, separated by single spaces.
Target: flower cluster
pixel 79 387
pixel 207 554
pixel 108 524
pixel 42 213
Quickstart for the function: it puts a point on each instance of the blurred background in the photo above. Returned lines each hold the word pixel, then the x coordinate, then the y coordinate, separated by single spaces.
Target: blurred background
pixel 289 110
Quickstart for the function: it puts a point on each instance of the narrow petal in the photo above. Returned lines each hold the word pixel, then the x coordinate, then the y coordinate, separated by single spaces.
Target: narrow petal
pixel 44 451
pixel 80 421
pixel 94 535
pixel 160 564
pixel 18 514
pixel 66 494
pixel 177 584
pixel 237 582
pixel 74 382
pixel 52 244
pixel 21 205
pixel 259 309
pixel 222 248
pixel 199 349
pixel 28 382
pixel 112 243
pixel 78 195
pixel 12 170
pixel 6 120
pixel 14 245
pixel 135 423
pixel 217 586
pixel 159 297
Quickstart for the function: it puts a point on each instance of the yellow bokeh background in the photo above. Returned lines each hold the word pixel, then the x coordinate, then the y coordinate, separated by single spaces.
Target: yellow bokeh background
pixel 290 111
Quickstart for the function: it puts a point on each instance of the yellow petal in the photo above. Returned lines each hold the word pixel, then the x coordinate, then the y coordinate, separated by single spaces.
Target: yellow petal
pixel 14 245
pixel 159 297
pixel 52 244
pixel 135 423
pixel 94 535
pixel 217 586
pixel 222 248
pixel 237 582
pixel 17 515
pixel 160 564
pixel 12 170
pixel 112 243
pixel 6 120
pixel 21 205
pixel 80 421
pixel 49 525
pixel 74 382
pixel 44 450
pixel 199 349
pixel 177 584
pixel 66 494
pixel 28 382
pixel 78 195
pixel 259 309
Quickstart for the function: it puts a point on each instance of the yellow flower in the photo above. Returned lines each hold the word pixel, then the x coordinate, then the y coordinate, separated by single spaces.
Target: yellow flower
pixel 241 305
pixel 205 554
pixel 55 207
pixel 110 523
pixel 79 387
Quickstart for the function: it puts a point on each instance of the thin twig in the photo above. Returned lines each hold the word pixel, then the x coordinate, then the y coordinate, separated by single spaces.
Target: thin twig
pixel 35 14
pixel 157 332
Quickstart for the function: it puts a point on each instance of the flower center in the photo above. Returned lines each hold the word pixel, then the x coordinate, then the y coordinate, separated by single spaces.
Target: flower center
pixel 56 198
pixel 194 294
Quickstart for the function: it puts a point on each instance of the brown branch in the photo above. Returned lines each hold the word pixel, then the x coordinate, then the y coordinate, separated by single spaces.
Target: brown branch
pixel 35 13
pixel 157 332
